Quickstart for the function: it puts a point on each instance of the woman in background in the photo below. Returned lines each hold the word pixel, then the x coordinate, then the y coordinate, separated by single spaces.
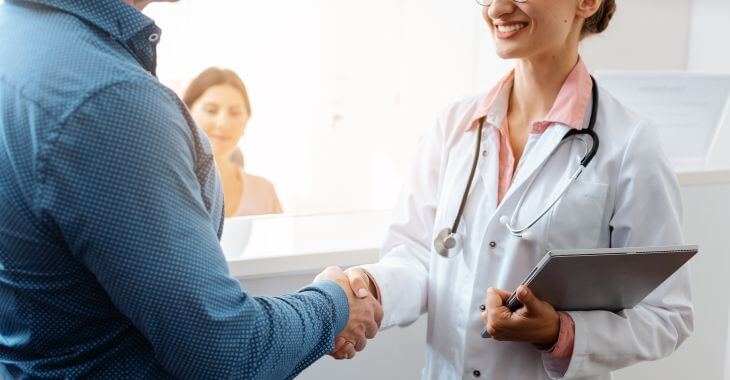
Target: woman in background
pixel 219 103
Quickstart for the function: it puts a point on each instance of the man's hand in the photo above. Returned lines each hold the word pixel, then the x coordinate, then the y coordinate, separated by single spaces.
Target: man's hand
pixel 536 322
pixel 365 316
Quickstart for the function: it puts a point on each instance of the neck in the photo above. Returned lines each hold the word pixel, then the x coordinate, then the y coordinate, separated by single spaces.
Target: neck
pixel 226 167
pixel 538 81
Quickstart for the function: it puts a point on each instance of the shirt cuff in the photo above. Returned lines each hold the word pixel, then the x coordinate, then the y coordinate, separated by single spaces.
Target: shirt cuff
pixel 340 303
pixel 563 347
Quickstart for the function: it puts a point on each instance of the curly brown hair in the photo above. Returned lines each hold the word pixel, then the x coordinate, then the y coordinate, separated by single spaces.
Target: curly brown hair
pixel 599 21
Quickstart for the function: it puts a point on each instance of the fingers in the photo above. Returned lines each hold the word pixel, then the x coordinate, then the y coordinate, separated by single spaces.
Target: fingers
pixel 359 283
pixel 360 344
pixel 525 295
pixel 496 314
pixel 339 343
pixel 346 352
pixel 371 329
pixel 330 273
pixel 350 350
pixel 495 298
pixel 379 314
pixel 503 294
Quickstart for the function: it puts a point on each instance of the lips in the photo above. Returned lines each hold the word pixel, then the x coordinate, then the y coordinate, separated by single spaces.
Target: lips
pixel 219 138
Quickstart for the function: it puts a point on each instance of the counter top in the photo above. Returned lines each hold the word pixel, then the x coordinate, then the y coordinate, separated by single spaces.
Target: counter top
pixel 280 244
pixel 264 246
pixel 690 177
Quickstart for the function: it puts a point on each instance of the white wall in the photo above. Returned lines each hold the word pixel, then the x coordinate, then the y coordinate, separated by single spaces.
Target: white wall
pixel 708 38
pixel 708 51
pixel 644 35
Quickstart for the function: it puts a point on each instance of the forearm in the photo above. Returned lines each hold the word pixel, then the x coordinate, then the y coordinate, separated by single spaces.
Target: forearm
pixel 402 285
pixel 292 331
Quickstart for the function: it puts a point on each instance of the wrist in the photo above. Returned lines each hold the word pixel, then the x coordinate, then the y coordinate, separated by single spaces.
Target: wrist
pixel 553 332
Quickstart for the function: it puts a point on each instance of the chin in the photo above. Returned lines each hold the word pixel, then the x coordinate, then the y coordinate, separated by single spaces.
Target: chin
pixel 509 52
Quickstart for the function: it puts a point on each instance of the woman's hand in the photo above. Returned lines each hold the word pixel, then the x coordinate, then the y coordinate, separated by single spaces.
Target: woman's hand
pixel 361 284
pixel 536 322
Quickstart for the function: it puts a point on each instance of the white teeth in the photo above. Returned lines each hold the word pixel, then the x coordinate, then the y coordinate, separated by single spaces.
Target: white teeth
pixel 510 28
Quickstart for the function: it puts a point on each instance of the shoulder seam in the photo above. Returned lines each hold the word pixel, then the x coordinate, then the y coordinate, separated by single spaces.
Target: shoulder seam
pixel 54 135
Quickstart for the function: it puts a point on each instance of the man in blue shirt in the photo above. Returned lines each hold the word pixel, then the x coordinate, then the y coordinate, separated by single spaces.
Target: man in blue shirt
pixel 110 215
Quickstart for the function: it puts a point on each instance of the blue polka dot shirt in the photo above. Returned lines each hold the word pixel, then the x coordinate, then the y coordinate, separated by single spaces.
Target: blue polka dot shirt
pixel 110 215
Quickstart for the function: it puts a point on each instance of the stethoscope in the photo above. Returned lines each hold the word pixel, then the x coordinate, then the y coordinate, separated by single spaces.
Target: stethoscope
pixel 448 241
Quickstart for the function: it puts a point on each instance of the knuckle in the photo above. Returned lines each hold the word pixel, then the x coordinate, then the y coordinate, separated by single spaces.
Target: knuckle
pixel 497 324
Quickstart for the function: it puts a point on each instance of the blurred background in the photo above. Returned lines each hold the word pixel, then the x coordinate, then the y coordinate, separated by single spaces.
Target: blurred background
pixel 342 91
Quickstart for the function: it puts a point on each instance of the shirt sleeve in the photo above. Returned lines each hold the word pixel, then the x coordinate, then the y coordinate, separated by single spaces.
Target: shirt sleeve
pixel 123 185
pixel 647 212
pixel 401 275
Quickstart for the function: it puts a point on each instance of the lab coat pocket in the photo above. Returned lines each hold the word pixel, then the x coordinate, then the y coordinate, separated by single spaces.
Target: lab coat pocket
pixel 577 219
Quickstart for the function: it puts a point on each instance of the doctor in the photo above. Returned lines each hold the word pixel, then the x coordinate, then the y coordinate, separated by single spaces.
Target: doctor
pixel 626 196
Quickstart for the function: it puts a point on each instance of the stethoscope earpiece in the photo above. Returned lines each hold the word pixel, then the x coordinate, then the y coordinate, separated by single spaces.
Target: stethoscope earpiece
pixel 528 235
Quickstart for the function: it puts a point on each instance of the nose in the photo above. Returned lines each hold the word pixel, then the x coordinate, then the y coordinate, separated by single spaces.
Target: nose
pixel 221 120
pixel 499 8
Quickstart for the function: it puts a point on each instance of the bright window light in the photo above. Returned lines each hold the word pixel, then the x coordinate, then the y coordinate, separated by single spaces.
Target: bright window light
pixel 341 90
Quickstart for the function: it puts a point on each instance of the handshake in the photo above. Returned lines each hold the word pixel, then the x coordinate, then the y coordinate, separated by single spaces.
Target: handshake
pixel 365 310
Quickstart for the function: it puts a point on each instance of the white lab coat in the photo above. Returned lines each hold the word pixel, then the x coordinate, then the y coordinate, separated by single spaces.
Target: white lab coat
pixel 628 196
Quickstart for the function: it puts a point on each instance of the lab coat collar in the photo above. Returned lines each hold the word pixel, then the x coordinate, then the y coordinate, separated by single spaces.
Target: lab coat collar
pixel 569 108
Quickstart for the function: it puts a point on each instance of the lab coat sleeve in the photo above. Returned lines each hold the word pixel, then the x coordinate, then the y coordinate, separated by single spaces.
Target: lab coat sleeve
pixel 402 272
pixel 647 212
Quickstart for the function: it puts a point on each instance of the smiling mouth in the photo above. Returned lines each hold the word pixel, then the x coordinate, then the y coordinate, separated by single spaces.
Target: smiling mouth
pixel 511 28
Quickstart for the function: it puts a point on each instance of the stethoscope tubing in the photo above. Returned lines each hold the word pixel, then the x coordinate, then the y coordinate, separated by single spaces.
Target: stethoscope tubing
pixel 519 232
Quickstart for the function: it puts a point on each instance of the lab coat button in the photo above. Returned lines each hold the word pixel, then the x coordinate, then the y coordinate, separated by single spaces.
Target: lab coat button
pixel 482 307
pixel 493 244
pixel 477 373
pixel 485 153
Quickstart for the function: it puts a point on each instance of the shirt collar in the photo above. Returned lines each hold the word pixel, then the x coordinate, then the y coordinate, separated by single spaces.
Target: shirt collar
pixel 569 108
pixel 124 23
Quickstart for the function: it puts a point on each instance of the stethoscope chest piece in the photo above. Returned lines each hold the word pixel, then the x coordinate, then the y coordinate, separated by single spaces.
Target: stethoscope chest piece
pixel 447 244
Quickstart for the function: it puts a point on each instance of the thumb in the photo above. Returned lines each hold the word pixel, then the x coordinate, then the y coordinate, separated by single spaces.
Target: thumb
pixel 525 295
pixel 359 284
